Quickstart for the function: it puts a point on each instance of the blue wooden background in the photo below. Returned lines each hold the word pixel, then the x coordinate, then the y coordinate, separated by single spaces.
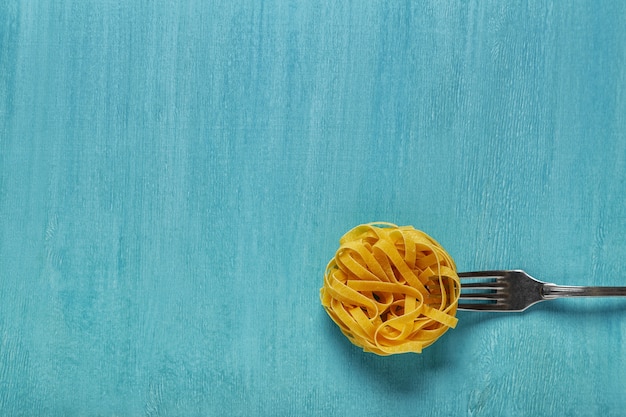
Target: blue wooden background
pixel 175 175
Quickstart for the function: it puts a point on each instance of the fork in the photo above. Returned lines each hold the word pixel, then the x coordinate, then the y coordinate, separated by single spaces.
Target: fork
pixel 515 290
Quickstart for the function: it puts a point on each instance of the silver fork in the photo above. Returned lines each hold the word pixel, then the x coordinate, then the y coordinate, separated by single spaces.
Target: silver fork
pixel 515 290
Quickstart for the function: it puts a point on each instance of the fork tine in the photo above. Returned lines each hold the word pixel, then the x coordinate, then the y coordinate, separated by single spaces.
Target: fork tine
pixel 482 296
pixel 482 306
pixel 483 274
pixel 482 280
pixel 483 285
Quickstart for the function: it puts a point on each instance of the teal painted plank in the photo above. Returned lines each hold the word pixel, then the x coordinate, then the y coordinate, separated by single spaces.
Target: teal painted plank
pixel 175 176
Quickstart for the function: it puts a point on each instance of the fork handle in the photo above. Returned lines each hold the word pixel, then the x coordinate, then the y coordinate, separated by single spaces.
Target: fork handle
pixel 552 291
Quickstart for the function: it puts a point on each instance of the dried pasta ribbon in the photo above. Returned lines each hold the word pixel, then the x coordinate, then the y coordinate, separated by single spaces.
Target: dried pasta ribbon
pixel 391 289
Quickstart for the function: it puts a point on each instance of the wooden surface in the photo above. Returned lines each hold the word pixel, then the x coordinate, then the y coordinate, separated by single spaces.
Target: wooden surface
pixel 174 176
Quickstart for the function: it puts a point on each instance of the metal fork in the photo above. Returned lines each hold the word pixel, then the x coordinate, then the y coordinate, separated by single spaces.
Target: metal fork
pixel 515 290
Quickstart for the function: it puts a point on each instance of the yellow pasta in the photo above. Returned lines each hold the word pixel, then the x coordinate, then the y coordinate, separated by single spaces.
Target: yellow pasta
pixel 391 289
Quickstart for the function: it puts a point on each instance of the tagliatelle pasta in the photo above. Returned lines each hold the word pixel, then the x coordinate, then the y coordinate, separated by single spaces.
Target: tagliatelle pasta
pixel 391 289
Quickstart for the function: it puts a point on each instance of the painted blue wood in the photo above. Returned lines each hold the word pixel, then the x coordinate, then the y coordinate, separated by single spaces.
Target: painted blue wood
pixel 174 177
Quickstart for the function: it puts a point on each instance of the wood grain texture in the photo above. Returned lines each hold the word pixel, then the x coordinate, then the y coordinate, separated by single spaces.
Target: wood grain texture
pixel 174 176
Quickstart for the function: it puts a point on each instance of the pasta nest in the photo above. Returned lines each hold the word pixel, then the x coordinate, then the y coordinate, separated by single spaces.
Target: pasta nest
pixel 391 289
